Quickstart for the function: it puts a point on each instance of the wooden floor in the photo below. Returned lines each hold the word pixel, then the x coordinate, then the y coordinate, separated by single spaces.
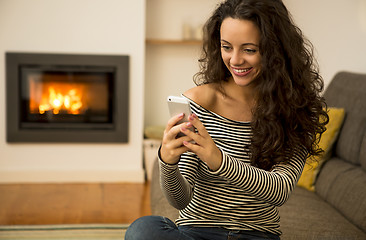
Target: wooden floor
pixel 73 203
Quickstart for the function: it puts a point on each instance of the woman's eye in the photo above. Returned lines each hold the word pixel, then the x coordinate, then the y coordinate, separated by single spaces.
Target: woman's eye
pixel 225 47
pixel 249 50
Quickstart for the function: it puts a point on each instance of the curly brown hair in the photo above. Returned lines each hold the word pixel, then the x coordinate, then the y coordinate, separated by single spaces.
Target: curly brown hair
pixel 289 111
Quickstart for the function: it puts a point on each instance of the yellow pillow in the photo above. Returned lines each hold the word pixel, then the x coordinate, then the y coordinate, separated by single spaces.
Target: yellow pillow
pixel 311 169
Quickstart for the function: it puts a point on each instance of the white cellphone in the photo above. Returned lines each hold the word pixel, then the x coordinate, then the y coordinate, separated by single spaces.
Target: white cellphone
pixel 178 105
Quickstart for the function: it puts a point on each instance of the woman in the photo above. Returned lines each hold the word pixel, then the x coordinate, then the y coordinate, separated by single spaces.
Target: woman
pixel 258 114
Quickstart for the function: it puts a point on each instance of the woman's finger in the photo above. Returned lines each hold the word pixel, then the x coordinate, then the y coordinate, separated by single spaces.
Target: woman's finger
pixel 197 124
pixel 178 142
pixel 175 132
pixel 173 121
pixel 197 139
pixel 192 146
pixel 200 134
pixel 172 129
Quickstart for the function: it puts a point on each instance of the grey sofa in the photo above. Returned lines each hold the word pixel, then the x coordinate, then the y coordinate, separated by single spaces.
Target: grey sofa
pixel 337 208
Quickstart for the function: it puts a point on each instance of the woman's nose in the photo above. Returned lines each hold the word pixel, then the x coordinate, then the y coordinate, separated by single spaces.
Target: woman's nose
pixel 236 59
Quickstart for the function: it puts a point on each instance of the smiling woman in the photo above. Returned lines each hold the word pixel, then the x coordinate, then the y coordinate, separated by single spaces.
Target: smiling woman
pixel 257 113
pixel 240 51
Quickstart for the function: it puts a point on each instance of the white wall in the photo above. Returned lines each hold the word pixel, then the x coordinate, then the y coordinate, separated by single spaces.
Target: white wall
pixel 170 68
pixel 80 27
pixel 337 28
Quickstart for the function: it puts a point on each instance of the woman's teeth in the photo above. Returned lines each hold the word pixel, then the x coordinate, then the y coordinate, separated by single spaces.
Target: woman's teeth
pixel 241 70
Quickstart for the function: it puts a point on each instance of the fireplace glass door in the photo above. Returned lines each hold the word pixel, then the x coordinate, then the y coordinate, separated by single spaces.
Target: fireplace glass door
pixel 56 98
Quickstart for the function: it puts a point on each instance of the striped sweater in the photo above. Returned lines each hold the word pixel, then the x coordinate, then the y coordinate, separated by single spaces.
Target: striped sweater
pixel 237 196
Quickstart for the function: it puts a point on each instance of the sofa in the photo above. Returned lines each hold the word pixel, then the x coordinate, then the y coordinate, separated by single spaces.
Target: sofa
pixel 336 208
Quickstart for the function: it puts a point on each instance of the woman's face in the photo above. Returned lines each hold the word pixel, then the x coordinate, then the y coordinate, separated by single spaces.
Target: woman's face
pixel 240 49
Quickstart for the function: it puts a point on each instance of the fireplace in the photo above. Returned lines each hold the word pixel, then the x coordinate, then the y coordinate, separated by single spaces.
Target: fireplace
pixel 67 98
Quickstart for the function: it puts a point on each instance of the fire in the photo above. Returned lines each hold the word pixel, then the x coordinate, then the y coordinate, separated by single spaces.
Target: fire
pixel 69 102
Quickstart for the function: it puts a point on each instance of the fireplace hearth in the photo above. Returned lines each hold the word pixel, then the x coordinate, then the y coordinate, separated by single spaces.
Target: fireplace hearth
pixel 67 98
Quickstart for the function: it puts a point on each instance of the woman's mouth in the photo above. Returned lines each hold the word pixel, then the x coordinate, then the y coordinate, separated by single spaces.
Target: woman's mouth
pixel 241 71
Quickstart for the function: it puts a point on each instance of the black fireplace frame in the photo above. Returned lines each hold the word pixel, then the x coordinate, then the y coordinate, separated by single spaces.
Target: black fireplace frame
pixel 115 132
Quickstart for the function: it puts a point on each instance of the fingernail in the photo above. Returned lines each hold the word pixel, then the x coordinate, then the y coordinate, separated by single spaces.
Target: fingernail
pixel 183 129
pixel 185 143
pixel 192 116
pixel 189 125
pixel 181 115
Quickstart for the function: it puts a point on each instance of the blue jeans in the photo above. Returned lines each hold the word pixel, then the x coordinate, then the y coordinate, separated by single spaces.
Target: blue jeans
pixel 161 228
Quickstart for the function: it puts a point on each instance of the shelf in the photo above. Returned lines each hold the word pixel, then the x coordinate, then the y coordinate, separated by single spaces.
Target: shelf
pixel 173 42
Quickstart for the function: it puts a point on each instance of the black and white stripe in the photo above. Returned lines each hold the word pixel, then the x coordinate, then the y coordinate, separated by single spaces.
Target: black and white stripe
pixel 238 196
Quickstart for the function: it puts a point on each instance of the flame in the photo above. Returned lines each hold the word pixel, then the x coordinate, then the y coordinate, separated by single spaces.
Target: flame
pixel 71 102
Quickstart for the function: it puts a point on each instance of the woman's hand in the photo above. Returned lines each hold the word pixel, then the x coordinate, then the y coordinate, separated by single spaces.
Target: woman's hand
pixel 172 147
pixel 203 146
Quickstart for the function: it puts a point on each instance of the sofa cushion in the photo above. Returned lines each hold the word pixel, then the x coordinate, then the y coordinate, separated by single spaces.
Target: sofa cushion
pixel 306 216
pixel 343 185
pixel 311 169
pixel 363 153
pixel 347 90
pixel 159 204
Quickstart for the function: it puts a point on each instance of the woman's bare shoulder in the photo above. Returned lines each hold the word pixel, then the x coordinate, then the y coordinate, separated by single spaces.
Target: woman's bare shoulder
pixel 204 95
